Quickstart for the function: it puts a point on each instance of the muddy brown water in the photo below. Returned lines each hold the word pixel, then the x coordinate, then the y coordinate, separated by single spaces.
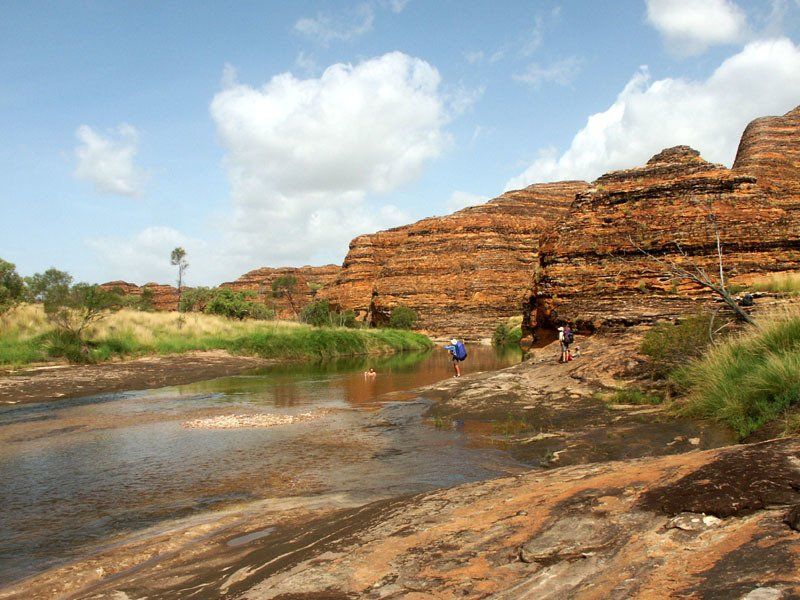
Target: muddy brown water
pixel 77 475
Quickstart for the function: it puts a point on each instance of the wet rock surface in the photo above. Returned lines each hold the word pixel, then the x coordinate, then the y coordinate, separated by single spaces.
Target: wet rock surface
pixel 574 532
pixel 740 480
pixel 547 414
pixel 691 523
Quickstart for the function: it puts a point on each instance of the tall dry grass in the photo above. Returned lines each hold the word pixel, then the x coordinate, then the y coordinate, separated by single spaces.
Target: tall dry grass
pixel 783 283
pixel 26 336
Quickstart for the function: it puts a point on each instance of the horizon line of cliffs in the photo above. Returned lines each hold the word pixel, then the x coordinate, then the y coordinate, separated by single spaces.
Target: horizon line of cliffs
pixel 569 250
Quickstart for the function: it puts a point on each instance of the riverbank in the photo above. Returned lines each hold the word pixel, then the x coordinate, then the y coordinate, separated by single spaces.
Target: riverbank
pixel 27 338
pixel 43 383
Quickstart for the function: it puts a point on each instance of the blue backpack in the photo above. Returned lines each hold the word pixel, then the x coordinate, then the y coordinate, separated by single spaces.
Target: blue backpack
pixel 460 351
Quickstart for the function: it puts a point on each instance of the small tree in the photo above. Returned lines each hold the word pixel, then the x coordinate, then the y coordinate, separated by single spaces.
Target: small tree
pixel 285 286
pixel 195 299
pixel 72 308
pixel 402 317
pixel 146 300
pixel 178 259
pixel 316 313
pixel 40 285
pixel 12 286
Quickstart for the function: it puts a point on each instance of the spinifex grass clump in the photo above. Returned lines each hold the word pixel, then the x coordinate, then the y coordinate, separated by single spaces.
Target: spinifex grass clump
pixel 749 379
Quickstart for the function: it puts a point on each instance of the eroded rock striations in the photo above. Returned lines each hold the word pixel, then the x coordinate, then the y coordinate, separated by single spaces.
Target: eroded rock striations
pixel 309 281
pixel 596 272
pixel 164 297
pixel 461 273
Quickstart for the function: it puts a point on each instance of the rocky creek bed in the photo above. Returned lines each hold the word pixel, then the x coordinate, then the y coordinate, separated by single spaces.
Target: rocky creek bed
pixel 632 504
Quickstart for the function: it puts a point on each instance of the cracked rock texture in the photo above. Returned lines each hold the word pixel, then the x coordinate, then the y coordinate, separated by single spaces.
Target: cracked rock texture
pixel 600 530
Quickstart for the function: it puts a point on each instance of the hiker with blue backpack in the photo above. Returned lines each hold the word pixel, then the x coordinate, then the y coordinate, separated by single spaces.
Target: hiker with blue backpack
pixel 458 353
pixel 566 337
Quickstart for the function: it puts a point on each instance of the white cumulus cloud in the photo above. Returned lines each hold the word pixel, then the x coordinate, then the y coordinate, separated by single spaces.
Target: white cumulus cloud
pixel 107 161
pixel 649 115
pixel 305 155
pixel 689 27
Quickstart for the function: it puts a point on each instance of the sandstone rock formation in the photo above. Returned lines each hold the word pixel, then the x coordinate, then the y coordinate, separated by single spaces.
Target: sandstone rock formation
pixel 462 273
pixel 310 280
pixel 165 297
pixel 770 150
pixel 594 271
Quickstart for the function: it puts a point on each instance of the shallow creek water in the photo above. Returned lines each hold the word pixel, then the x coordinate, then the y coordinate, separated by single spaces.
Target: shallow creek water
pixel 77 474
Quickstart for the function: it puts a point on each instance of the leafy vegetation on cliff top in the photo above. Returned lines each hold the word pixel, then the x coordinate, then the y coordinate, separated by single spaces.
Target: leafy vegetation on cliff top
pixel 26 336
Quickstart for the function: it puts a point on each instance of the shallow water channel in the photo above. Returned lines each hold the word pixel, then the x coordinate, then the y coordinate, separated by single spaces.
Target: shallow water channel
pixel 77 474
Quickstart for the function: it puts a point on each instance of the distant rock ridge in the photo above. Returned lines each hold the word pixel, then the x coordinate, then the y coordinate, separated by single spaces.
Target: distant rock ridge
pixel 309 280
pixel 165 297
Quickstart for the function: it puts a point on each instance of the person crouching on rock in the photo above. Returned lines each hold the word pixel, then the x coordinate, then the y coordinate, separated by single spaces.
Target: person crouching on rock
pixel 458 353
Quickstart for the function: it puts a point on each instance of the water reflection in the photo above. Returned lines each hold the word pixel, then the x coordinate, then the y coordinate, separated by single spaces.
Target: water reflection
pixel 73 473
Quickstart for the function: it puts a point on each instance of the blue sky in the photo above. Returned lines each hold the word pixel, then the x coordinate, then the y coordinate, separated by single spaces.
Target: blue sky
pixel 268 134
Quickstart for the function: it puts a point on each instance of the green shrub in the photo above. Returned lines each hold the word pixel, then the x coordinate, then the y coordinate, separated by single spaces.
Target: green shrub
pixel 261 312
pixel 12 286
pixel 402 317
pixel 669 345
pixel 749 379
pixel 504 335
pixel 195 299
pixel 345 318
pixel 61 343
pixel 317 313
pixel 235 305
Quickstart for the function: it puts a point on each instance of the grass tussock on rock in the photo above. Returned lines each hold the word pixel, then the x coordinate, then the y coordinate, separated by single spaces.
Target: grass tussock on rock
pixel 26 336
pixel 748 379
pixel 786 283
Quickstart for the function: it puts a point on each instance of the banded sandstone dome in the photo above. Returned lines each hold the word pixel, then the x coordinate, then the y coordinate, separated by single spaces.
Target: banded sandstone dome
pixel 571 250
pixel 462 272
pixel 595 271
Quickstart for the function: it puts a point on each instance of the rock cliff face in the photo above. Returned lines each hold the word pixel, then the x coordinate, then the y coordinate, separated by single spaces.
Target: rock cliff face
pixel 770 150
pixel 165 297
pixel 310 280
pixel 461 273
pixel 595 272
